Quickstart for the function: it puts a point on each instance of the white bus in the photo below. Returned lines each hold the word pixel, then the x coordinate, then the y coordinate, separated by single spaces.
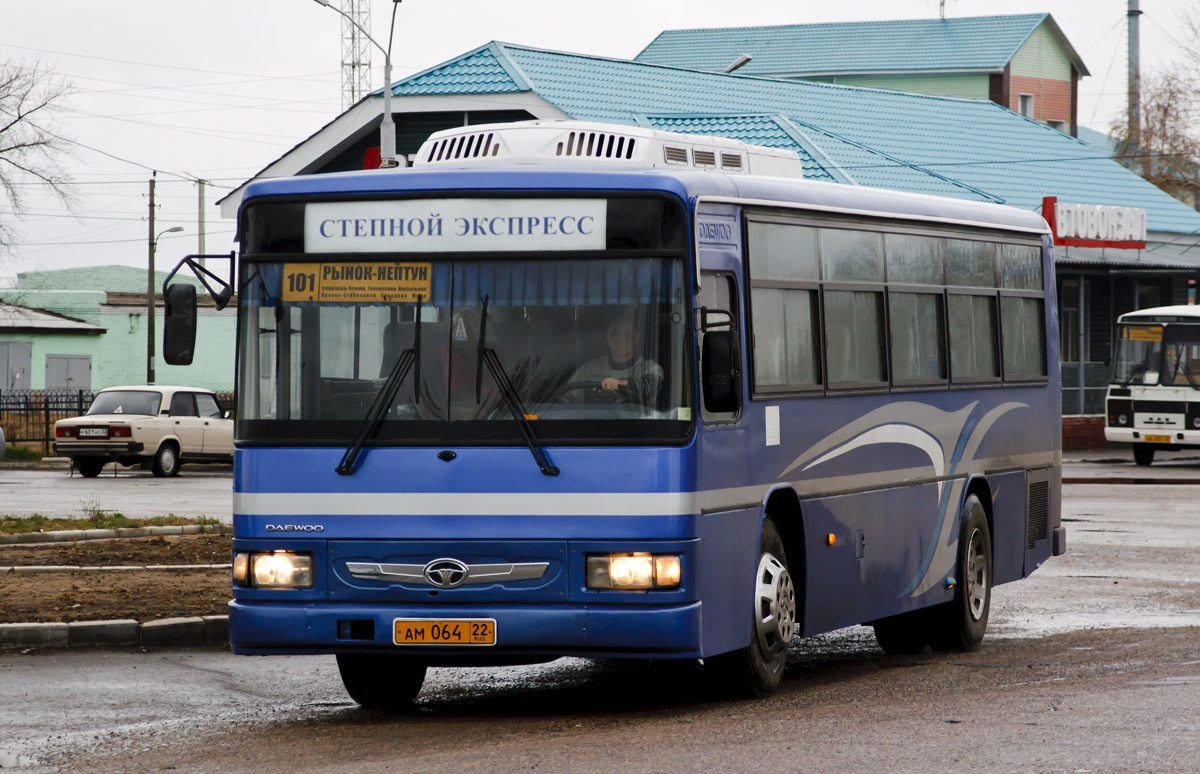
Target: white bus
pixel 1154 394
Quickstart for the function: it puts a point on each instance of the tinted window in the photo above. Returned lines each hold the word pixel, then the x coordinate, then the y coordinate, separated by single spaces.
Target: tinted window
pixel 973 337
pixel 1019 267
pixel 970 263
pixel 855 256
pixel 716 292
pixel 785 326
pixel 854 336
pixel 1024 338
pixel 781 252
pixel 914 260
pixel 183 404
pixel 918 337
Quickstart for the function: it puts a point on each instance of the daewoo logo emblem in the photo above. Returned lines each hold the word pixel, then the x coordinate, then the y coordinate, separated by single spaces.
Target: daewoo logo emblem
pixel 446 573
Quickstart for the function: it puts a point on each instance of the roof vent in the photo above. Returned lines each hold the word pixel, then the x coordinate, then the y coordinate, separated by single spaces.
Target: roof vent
pixel 463 146
pixel 604 145
pixel 732 162
pixel 595 144
pixel 675 155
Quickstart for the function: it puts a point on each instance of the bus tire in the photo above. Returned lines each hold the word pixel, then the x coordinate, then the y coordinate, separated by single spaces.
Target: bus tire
pixel 903 635
pixel 89 467
pixel 757 670
pixel 1143 454
pixel 166 461
pixel 381 681
pixel 960 625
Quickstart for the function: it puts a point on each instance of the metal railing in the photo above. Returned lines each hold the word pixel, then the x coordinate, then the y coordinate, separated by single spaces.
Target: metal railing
pixel 28 416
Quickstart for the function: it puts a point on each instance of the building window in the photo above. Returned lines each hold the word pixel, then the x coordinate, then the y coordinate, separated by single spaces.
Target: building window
pixel 1059 125
pixel 1025 105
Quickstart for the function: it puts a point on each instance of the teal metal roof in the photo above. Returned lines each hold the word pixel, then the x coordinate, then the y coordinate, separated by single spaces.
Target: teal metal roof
pixel 911 45
pixel 947 146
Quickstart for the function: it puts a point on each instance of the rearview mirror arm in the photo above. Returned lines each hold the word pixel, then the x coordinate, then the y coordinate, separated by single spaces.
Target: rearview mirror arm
pixel 220 297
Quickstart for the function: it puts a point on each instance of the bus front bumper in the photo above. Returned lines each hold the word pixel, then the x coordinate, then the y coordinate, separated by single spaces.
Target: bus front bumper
pixel 609 631
pixel 1175 437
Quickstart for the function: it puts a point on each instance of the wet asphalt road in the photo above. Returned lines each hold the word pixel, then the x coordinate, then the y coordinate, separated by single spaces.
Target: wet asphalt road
pixel 198 490
pixel 1093 664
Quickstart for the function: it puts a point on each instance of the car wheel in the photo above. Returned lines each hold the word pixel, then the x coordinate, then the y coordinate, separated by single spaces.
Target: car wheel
pixel 960 624
pixel 756 670
pixel 166 461
pixel 381 681
pixel 89 467
pixel 1143 454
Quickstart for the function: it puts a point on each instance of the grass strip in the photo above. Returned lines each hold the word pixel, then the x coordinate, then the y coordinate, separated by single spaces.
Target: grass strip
pixel 15 525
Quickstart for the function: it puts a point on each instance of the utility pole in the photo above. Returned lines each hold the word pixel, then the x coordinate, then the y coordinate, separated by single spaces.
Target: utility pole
pixel 150 293
pixel 1134 117
pixel 200 216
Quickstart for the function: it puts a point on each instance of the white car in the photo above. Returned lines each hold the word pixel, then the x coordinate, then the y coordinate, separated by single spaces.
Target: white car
pixel 156 425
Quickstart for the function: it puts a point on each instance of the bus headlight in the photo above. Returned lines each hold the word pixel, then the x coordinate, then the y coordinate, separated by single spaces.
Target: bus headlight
pixel 633 572
pixel 1196 422
pixel 1123 419
pixel 278 570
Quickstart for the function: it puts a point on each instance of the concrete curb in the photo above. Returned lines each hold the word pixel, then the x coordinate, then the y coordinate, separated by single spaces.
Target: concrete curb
pixel 66 536
pixel 164 633
pixel 37 569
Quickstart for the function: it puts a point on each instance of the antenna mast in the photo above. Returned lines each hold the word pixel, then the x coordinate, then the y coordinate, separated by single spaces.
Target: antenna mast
pixel 356 52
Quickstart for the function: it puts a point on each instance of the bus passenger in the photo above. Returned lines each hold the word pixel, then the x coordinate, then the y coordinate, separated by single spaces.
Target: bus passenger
pixel 623 374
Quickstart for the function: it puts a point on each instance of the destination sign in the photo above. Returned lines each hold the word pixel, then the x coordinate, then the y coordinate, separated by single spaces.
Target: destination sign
pixel 1142 332
pixel 357 283
pixel 453 225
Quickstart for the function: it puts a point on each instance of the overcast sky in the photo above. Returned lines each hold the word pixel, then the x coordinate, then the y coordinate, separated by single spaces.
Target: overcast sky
pixel 217 89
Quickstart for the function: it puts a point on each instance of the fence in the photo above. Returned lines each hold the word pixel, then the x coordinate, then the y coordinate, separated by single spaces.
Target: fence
pixel 28 416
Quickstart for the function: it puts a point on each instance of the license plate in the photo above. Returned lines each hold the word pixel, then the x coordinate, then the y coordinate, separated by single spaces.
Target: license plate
pixel 1158 439
pixel 93 432
pixel 444 631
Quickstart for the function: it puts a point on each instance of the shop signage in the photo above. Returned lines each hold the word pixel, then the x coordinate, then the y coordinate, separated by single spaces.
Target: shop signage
pixel 1086 225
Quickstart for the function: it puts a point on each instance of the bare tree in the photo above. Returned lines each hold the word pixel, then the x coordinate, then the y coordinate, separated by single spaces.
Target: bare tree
pixel 1165 148
pixel 31 154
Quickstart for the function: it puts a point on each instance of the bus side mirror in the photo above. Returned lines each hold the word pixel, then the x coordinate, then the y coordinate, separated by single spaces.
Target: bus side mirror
pixel 179 330
pixel 720 366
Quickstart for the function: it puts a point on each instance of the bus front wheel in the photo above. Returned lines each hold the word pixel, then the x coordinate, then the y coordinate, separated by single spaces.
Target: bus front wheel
pixel 757 669
pixel 960 624
pixel 1143 454
pixel 381 681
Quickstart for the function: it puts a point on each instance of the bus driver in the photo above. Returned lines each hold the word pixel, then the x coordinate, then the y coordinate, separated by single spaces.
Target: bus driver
pixel 623 373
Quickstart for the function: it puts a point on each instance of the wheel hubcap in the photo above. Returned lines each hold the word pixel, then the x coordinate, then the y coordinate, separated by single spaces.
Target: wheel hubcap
pixel 977 580
pixel 168 459
pixel 774 605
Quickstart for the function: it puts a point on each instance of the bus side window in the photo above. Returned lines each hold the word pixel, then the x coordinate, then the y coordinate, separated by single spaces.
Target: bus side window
pixel 717 292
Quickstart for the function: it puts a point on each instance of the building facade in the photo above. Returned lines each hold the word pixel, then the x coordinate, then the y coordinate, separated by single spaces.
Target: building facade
pixel 100 337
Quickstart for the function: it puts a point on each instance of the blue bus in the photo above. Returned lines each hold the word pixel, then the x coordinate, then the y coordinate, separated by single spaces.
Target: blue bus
pixel 568 389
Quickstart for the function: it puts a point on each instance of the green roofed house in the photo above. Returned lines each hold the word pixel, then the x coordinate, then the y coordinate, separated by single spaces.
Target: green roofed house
pixel 1022 62
pixel 85 329
pixel 953 146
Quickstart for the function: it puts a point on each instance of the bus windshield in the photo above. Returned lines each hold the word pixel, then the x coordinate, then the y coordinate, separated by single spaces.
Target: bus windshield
pixel 1139 354
pixel 595 349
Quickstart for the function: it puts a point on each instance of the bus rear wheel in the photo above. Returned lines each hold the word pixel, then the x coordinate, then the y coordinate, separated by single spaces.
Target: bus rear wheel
pixel 757 670
pixel 1143 454
pixel 960 624
pixel 380 680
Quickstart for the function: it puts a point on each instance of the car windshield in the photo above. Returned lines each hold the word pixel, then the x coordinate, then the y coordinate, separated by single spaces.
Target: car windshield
pixel 126 402
pixel 595 349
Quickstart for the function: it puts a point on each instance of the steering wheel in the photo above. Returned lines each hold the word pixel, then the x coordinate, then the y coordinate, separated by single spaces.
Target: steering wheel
pixel 621 394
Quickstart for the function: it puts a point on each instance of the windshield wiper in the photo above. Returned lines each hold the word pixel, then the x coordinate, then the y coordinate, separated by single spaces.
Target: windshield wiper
pixel 1137 369
pixel 509 393
pixel 384 398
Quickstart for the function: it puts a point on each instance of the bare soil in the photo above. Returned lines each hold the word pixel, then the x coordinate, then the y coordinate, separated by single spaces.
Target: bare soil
pixel 143 595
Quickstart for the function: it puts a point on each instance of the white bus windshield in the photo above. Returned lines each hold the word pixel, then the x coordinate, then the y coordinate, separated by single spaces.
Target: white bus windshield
pixel 595 348
pixel 1139 354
